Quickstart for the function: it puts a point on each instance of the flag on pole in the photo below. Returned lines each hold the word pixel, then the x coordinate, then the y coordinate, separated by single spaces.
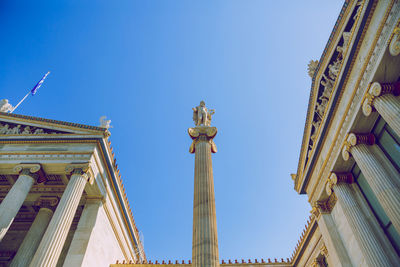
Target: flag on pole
pixel 33 91
pixel 37 86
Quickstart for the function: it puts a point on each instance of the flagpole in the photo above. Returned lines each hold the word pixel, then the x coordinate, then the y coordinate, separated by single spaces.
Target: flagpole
pixel 33 91
pixel 20 102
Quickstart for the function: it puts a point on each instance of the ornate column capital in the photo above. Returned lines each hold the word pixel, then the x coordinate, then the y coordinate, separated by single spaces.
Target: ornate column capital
pixel 337 178
pixel 324 207
pixel 202 134
pixel 33 170
pixel 48 202
pixel 324 251
pixel 354 139
pixel 375 90
pixel 82 169
pixel 394 45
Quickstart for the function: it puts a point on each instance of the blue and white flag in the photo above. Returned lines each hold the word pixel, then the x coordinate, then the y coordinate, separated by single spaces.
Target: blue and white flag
pixel 37 86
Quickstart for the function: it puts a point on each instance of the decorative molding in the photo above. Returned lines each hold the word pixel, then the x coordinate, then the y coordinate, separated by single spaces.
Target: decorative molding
pixel 394 45
pixel 202 134
pixel 354 139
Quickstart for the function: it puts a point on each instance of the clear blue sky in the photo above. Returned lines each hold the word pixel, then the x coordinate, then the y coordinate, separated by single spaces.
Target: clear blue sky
pixel 145 64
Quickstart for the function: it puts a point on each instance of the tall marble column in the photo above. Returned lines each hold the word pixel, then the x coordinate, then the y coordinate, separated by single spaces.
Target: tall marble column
pixel 382 97
pixel 32 239
pixel 53 240
pixel 205 241
pixel 11 204
pixel 377 176
pixel 371 248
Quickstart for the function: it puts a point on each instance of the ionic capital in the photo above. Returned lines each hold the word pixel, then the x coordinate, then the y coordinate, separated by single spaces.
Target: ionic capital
pixel 356 139
pixel 394 46
pixel 82 169
pixel 33 170
pixel 202 134
pixel 337 178
pixel 47 202
pixel 376 90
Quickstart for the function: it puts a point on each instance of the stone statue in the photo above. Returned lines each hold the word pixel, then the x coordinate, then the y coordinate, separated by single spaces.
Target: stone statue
pixel 5 106
pixel 312 66
pixel 334 68
pixel 105 123
pixel 328 86
pixel 202 115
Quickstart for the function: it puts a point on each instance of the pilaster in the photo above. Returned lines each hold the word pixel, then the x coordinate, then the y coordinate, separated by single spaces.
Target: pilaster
pixel 338 255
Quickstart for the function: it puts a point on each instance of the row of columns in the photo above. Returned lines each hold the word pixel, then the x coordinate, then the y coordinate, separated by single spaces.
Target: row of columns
pixel 45 239
pixel 381 176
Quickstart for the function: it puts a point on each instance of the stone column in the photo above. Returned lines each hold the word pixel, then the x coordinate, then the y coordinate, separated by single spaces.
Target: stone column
pixel 53 240
pixel 338 255
pixel 205 241
pixel 371 248
pixel 35 233
pixel 377 176
pixel 11 204
pixel 382 97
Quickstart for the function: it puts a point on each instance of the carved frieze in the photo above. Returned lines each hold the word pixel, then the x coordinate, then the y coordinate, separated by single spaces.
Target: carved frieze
pixel 329 76
pixel 7 128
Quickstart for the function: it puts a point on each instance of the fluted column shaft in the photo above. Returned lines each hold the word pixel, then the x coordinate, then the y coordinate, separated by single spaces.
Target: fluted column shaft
pixel 53 240
pixel 205 240
pixel 387 193
pixel 363 232
pixel 32 238
pixel 11 204
pixel 388 107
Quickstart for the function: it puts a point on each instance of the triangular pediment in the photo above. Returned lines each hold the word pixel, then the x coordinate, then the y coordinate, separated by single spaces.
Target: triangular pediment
pixel 14 124
pixel 326 75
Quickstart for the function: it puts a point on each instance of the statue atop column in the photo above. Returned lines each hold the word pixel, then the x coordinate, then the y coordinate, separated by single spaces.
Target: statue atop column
pixel 202 115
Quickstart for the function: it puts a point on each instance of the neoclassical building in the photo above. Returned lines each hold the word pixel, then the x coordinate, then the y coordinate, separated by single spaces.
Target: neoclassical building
pixel 63 202
pixel 62 199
